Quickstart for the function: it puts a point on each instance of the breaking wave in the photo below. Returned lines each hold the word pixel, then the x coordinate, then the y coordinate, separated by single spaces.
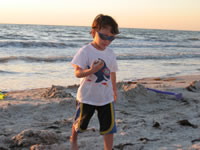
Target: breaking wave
pixel 35 59
pixel 35 44
pixel 53 59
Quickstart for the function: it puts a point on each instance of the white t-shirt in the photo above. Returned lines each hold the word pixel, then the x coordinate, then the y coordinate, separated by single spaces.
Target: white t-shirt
pixel 95 89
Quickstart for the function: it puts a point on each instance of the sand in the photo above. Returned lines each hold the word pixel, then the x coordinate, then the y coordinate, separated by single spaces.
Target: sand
pixel 41 119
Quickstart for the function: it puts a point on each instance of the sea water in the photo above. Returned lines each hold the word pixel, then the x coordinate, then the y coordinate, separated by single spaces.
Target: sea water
pixel 37 56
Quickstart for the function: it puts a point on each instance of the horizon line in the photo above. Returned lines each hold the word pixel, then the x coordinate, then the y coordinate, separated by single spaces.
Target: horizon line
pixel 90 26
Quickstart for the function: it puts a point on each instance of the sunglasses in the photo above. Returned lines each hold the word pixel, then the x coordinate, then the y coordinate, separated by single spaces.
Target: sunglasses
pixel 105 37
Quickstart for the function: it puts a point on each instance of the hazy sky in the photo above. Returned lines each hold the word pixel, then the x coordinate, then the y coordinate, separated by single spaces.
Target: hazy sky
pixel 156 14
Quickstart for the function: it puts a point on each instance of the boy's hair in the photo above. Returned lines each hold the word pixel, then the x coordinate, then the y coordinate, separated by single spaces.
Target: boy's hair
pixel 103 21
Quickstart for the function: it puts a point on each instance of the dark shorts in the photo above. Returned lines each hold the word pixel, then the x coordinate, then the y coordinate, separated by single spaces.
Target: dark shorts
pixel 105 113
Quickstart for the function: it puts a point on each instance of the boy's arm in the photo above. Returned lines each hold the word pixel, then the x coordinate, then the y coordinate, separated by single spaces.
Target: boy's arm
pixel 80 73
pixel 114 84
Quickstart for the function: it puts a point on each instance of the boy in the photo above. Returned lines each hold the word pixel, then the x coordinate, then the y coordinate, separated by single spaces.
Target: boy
pixel 96 65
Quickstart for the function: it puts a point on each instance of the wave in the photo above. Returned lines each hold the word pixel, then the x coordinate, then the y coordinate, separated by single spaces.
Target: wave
pixel 34 44
pixel 151 45
pixel 158 39
pixel 53 59
pixel 15 37
pixel 182 46
pixel 124 37
pixel 7 72
pixel 171 40
pixel 157 57
pixel 35 59
pixel 193 39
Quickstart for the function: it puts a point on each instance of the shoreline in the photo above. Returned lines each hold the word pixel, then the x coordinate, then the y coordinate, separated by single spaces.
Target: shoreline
pixel 42 118
pixel 149 81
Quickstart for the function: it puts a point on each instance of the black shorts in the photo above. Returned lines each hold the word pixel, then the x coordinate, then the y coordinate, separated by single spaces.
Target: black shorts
pixel 105 113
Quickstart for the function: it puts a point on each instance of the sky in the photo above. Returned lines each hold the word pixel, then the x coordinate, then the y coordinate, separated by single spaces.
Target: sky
pixel 150 14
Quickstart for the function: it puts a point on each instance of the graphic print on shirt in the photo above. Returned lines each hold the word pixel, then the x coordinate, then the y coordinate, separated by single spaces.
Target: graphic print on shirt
pixel 103 73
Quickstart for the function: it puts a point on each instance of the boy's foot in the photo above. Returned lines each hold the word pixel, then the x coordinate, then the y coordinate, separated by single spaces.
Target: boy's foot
pixel 74 147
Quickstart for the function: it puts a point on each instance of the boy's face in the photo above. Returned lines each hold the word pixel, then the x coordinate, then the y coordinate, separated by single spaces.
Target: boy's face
pixel 103 37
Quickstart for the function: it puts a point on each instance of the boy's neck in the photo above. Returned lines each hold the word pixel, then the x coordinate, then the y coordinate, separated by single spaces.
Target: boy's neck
pixel 97 46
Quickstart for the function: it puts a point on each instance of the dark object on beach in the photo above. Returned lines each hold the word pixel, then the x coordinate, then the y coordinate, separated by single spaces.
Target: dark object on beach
pixel 56 92
pixel 194 86
pixel 186 123
pixel 195 140
pixel 121 146
pixel 156 125
pixel 53 127
pixel 2 148
pixel 145 140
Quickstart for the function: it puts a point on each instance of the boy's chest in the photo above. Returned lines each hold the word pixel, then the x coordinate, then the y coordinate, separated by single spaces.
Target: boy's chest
pixel 94 57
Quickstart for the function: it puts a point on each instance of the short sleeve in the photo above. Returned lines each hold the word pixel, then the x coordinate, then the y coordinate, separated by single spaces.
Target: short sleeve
pixel 114 67
pixel 80 59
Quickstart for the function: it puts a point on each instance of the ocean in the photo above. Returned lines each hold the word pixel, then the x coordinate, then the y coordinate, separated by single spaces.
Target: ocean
pixel 37 56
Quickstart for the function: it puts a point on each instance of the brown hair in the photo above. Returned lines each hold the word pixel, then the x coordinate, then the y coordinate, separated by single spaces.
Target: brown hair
pixel 103 21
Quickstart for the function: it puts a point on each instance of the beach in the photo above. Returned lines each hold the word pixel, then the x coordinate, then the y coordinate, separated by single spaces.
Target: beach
pixel 41 119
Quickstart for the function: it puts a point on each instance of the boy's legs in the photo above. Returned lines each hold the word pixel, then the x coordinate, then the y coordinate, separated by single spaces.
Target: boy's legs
pixel 73 139
pixel 74 136
pixel 108 141
pixel 84 112
pixel 106 116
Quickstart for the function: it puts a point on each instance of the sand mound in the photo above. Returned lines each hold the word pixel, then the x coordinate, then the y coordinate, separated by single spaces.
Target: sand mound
pixel 30 137
pixel 134 90
pixel 194 86
pixel 138 91
pixel 49 147
pixel 56 92
pixel 36 139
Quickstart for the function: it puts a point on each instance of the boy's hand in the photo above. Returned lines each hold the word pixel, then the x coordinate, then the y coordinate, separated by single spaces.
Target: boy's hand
pixel 97 65
pixel 115 96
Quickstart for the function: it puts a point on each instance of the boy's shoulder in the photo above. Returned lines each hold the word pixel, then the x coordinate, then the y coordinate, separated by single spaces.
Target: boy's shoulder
pixel 85 48
pixel 109 49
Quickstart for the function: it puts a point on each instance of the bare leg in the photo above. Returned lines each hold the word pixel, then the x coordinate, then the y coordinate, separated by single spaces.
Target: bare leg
pixel 73 139
pixel 108 141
